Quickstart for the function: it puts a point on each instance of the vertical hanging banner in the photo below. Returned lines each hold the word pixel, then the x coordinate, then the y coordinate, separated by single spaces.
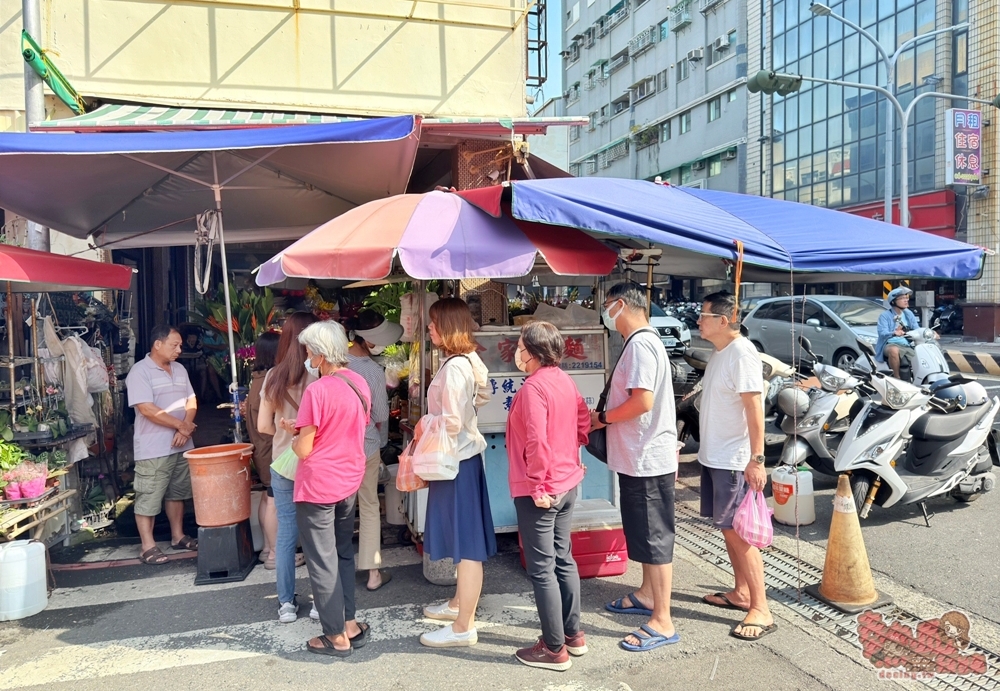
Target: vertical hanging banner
pixel 963 147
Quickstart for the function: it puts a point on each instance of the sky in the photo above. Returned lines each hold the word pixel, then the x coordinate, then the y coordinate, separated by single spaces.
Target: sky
pixel 553 86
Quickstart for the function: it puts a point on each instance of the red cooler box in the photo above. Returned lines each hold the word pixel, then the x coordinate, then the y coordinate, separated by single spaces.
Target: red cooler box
pixel 599 552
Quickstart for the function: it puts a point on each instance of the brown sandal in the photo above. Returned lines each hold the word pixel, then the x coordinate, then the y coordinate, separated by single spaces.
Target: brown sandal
pixel 153 556
pixel 186 543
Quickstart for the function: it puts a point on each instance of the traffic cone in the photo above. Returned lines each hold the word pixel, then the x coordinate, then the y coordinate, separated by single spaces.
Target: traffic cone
pixel 847 581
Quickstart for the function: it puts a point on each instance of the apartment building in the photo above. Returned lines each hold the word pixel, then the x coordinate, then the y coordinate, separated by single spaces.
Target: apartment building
pixel 662 85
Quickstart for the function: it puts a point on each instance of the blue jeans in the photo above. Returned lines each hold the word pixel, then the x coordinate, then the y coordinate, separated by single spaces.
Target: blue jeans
pixel 288 537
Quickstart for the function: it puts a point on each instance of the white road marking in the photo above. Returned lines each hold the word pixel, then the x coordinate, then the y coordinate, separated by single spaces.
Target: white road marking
pixel 182 584
pixel 150 653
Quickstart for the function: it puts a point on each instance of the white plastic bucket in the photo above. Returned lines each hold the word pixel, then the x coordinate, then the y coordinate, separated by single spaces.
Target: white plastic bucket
pixel 394 514
pixel 793 496
pixel 23 590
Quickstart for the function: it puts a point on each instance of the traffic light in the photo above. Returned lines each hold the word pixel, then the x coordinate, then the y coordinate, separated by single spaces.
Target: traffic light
pixel 774 82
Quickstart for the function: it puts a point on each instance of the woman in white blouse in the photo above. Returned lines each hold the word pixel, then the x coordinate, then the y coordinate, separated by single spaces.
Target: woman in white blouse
pixel 459 524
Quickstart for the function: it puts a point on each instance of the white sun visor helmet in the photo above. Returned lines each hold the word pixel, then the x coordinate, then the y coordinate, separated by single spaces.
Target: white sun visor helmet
pixel 384 334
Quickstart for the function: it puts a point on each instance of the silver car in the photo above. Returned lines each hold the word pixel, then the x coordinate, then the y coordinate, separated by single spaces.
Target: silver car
pixel 832 323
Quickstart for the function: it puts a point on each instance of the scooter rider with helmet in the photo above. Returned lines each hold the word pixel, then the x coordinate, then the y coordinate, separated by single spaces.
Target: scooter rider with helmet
pixel 892 346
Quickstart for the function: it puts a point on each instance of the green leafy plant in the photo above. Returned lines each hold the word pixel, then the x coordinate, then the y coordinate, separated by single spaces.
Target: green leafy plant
pixel 253 313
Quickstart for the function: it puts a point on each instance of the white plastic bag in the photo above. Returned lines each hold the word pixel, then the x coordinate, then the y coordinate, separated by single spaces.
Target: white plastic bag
pixel 753 520
pixel 97 371
pixel 434 456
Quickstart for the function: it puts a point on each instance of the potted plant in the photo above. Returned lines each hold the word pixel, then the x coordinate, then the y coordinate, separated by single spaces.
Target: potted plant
pixel 33 479
pixel 11 456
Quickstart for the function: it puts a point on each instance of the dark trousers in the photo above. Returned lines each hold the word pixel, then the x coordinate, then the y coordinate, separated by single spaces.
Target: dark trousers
pixel 545 535
pixel 326 532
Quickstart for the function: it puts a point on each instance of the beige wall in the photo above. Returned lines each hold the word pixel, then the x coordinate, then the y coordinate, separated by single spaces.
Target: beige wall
pixel 366 57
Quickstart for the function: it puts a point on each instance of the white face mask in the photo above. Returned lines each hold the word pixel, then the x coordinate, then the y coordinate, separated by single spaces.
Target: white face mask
pixel 314 371
pixel 608 320
pixel 518 361
pixel 375 350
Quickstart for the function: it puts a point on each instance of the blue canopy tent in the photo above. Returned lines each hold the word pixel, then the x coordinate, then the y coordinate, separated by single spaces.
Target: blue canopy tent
pixel 150 189
pixel 699 227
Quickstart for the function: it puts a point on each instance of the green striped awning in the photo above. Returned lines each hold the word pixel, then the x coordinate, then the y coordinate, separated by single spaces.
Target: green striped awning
pixel 130 117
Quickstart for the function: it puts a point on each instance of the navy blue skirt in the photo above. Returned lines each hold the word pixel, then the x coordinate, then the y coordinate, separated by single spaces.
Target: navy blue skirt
pixel 459 523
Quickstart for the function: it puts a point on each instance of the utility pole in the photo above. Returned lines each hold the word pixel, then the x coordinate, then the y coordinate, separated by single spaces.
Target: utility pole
pixel 34 107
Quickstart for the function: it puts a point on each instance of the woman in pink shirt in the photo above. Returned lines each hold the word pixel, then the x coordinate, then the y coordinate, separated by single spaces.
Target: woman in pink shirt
pixel 548 423
pixel 330 443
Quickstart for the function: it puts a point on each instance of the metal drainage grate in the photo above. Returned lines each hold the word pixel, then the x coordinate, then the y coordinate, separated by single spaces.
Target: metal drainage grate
pixel 786 577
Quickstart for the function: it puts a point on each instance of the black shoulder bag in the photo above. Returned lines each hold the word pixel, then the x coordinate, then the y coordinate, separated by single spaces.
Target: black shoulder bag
pixel 597 441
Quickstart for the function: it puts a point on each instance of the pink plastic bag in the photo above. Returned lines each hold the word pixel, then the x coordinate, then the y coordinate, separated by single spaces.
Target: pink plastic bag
pixel 753 520
pixel 12 490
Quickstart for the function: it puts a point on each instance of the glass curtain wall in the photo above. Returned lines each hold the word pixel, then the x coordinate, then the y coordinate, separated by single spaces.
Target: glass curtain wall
pixel 828 141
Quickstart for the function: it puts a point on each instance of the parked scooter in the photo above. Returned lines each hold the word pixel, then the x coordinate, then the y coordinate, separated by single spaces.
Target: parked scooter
pixel 909 443
pixel 950 318
pixel 776 374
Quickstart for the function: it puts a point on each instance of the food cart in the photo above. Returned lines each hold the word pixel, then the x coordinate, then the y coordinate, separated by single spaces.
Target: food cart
pixel 440 236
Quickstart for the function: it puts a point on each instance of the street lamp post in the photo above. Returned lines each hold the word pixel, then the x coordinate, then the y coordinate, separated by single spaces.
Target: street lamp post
pixel 785 84
pixel 889 61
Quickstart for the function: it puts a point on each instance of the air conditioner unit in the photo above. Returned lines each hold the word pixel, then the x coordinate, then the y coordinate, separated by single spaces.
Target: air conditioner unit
pixel 696 54
pixel 721 43
pixel 729 155
pixel 698 165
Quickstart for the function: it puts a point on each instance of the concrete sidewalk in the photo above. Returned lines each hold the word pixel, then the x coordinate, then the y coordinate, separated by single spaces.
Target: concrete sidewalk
pixel 141 627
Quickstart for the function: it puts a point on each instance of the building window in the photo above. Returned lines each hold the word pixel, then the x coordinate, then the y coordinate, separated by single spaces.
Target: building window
pixel 714 166
pixel 592 125
pixel 686 175
pixel 683 70
pixel 686 122
pixel 732 37
pixel 665 131
pixel 643 89
pixel 573 15
pixel 619 105
pixel 715 109
pixel 662 79
pixel 664 29
pixel 604 114
pixel 731 95
pixel 573 93
pixel 574 133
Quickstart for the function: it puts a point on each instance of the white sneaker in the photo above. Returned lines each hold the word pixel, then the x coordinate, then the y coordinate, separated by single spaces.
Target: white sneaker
pixel 288 612
pixel 442 612
pixel 314 613
pixel 446 637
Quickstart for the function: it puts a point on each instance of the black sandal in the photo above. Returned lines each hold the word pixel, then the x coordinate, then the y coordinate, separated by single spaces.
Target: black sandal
pixel 328 649
pixel 186 543
pixel 359 640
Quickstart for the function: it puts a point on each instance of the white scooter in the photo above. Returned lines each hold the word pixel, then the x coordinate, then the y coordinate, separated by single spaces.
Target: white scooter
pixel 909 443
pixel 928 364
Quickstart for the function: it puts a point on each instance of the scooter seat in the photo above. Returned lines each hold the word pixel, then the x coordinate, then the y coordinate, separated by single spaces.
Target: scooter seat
pixel 697 357
pixel 938 426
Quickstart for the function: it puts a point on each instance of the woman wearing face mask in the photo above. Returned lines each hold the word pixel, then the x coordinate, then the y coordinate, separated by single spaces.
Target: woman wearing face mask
pixel 330 443
pixel 459 524
pixel 283 387
pixel 548 423
pixel 372 333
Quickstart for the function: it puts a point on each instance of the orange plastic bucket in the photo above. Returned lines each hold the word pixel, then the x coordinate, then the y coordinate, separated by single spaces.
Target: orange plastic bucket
pixel 220 483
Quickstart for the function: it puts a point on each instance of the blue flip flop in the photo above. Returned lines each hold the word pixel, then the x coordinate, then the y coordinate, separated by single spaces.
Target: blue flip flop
pixel 618 607
pixel 649 639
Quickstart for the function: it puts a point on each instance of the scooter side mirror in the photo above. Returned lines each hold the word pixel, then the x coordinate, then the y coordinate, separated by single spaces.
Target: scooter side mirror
pixel 866 347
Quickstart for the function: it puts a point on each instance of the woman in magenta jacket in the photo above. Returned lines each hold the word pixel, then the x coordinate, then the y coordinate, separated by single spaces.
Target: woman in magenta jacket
pixel 547 425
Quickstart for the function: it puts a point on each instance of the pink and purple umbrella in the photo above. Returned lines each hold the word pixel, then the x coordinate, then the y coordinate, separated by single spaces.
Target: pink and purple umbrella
pixel 437 235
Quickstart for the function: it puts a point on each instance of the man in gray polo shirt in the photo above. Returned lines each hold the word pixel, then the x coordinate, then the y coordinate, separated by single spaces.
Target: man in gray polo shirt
pixel 165 406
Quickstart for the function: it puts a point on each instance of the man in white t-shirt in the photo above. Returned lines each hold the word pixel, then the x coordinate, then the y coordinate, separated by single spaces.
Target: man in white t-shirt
pixel 731 452
pixel 642 449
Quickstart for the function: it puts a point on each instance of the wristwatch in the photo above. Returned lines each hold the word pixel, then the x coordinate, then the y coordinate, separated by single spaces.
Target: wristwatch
pixel 602 417
pixel 759 458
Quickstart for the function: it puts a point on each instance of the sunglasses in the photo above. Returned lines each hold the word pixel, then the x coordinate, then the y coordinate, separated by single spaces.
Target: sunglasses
pixel 710 314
